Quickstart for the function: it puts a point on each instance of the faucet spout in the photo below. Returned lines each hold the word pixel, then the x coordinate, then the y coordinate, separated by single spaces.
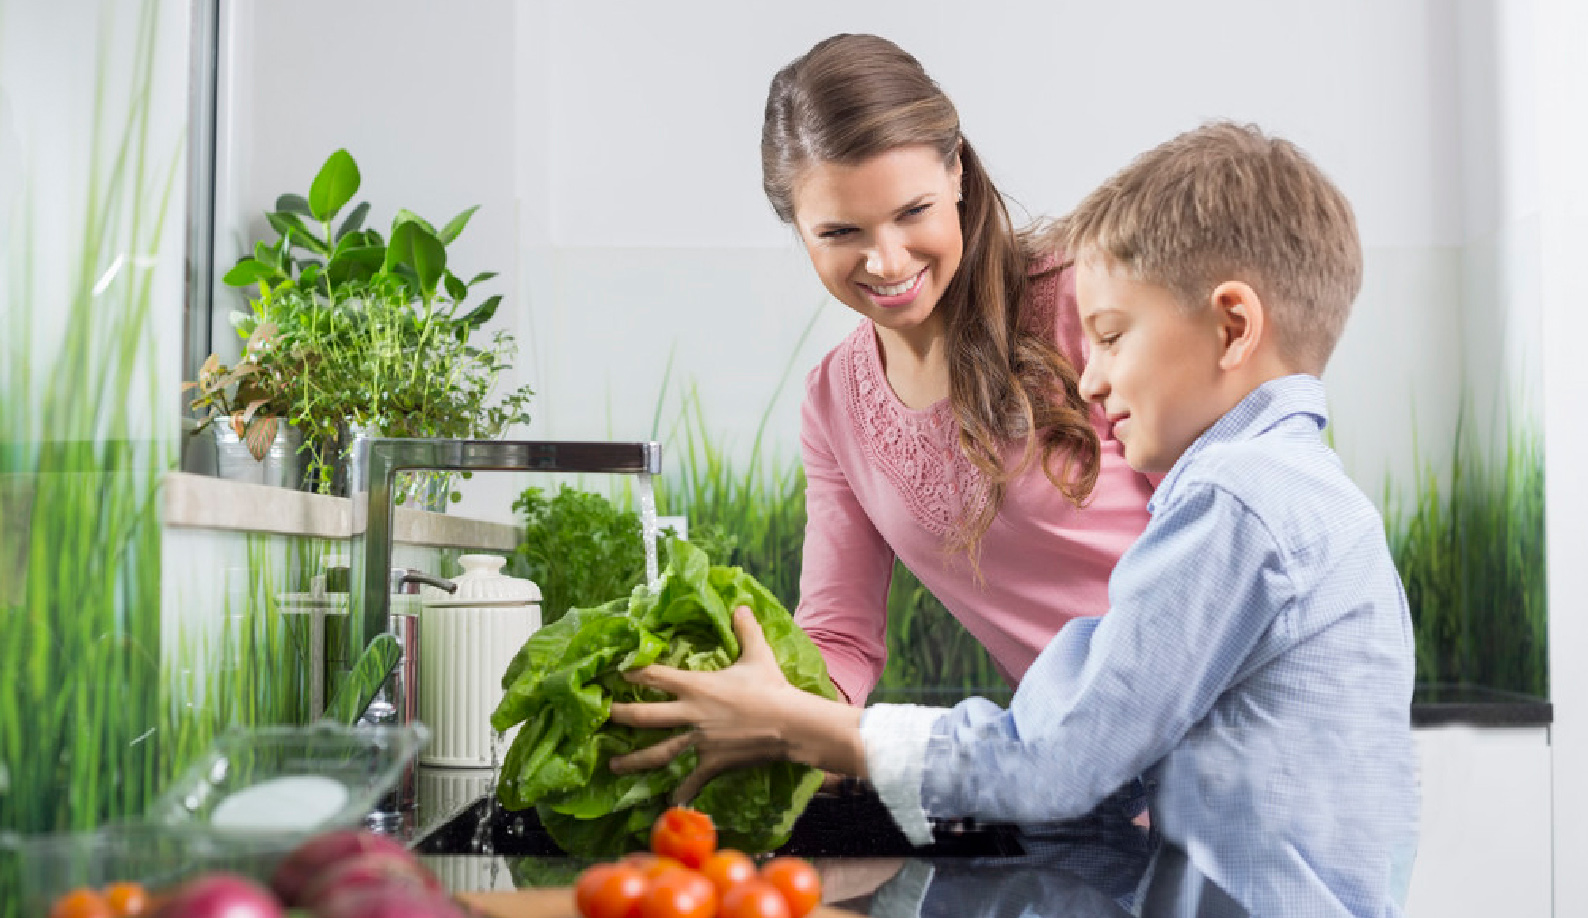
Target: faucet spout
pixel 372 475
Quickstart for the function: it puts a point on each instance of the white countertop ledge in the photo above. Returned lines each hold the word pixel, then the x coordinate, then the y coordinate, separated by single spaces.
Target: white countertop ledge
pixel 202 502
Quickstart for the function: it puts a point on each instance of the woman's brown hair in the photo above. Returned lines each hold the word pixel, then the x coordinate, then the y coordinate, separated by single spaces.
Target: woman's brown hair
pixel 852 97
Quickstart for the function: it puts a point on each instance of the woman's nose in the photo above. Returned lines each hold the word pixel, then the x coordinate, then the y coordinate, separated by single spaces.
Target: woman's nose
pixel 887 258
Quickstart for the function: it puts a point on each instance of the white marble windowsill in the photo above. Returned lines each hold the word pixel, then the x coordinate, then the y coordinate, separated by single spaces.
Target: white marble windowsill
pixel 202 502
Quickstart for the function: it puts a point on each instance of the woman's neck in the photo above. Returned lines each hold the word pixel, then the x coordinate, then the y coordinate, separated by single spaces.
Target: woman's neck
pixel 915 362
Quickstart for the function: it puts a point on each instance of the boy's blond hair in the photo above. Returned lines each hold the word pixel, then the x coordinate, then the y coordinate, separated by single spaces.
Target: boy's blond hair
pixel 1227 202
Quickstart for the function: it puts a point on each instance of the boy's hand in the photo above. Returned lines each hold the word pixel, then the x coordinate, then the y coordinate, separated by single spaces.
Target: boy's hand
pixel 742 715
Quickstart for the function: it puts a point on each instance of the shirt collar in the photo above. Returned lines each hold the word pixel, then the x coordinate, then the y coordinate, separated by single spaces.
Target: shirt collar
pixel 1260 410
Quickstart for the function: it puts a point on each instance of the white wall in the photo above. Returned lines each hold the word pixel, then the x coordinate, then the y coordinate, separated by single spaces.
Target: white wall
pixel 614 150
pixel 1557 32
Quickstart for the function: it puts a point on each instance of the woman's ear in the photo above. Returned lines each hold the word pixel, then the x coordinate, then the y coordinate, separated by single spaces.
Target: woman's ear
pixel 1242 322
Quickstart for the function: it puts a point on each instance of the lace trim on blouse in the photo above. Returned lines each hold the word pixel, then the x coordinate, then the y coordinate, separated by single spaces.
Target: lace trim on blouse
pixel 919 451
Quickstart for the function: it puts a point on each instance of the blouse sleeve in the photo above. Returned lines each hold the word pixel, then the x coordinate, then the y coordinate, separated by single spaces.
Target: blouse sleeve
pixel 846 568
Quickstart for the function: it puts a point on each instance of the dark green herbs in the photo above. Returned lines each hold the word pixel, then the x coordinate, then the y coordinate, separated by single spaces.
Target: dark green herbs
pixel 564 680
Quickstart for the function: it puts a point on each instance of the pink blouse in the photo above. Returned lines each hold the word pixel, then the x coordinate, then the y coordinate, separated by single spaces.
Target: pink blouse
pixel 885 480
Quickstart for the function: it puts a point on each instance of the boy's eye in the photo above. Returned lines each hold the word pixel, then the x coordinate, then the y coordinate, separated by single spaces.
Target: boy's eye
pixel 917 210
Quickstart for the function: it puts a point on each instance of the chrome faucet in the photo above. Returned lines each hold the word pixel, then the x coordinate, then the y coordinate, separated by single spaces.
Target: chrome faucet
pixel 372 475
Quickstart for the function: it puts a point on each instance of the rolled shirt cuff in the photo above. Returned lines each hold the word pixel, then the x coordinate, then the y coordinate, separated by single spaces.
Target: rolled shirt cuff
pixel 895 736
pixel 905 892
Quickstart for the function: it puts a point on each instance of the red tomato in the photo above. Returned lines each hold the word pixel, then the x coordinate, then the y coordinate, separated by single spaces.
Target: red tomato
pixel 652 864
pixel 127 900
pixel 754 899
pixel 797 880
pixel 727 869
pixel 679 893
pixel 610 891
pixel 81 903
pixel 685 834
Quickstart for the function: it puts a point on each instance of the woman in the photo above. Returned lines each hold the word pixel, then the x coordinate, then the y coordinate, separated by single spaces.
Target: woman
pixel 947 431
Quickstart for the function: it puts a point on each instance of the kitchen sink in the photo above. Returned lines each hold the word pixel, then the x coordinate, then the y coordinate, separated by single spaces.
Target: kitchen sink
pixel 850 824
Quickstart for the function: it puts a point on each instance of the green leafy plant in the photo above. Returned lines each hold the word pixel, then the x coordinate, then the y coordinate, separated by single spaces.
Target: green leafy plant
pixel 565 678
pixel 582 549
pixel 578 547
pixel 252 395
pixel 376 333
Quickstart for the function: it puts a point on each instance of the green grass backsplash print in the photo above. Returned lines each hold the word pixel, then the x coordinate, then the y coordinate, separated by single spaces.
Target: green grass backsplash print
pixel 1469 545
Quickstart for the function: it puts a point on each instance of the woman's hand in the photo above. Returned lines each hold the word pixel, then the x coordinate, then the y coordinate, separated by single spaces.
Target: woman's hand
pixel 742 715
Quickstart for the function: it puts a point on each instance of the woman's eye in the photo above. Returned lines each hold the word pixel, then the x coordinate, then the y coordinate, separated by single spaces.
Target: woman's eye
pixel 837 233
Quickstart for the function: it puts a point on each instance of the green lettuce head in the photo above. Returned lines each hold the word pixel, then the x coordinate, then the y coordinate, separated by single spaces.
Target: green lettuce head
pixel 562 684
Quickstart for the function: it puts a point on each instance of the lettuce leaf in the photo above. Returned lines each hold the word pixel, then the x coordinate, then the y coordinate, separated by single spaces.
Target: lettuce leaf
pixel 563 681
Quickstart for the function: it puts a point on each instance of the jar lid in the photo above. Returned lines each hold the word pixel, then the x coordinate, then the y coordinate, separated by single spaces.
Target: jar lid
pixel 482 583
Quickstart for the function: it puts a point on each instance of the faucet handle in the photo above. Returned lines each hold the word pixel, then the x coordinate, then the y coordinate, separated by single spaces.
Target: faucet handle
pixel 406 580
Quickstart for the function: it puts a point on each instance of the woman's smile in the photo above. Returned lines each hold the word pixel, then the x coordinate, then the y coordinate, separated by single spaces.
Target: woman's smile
pixel 891 296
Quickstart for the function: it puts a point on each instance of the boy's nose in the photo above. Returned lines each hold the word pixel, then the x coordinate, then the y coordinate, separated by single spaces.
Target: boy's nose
pixel 1093 387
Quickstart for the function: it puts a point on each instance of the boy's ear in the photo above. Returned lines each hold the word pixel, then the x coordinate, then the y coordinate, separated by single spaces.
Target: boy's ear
pixel 1242 322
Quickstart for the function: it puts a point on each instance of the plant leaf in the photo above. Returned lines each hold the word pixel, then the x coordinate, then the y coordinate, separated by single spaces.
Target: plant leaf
pixel 291 225
pixel 482 276
pixel 267 256
pixel 247 272
pixel 354 220
pixel 335 185
pixel 456 289
pixel 407 216
pixel 261 433
pixel 456 225
pixel 417 247
pixel 357 263
pixel 482 313
pixel 294 204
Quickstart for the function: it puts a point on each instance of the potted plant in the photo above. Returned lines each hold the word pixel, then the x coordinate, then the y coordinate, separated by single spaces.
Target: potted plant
pixel 250 400
pixel 383 338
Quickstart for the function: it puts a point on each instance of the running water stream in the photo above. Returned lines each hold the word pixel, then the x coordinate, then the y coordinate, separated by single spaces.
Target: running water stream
pixel 648 531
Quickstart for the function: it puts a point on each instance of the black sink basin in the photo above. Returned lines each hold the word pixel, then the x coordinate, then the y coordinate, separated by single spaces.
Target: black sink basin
pixel 853 824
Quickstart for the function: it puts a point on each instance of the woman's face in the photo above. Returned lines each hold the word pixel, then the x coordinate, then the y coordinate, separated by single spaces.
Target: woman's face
pixel 884 235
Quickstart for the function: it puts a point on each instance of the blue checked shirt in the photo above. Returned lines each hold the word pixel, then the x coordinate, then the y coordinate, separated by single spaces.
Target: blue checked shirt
pixel 1255 666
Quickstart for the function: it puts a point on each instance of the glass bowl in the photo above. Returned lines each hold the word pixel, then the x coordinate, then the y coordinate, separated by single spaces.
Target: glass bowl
pixel 252 798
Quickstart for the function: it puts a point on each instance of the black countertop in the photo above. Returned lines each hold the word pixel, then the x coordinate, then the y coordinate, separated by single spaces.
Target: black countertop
pixel 1096 866
pixel 1439 705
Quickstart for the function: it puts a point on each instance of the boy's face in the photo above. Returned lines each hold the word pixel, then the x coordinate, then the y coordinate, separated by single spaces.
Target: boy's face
pixel 1154 366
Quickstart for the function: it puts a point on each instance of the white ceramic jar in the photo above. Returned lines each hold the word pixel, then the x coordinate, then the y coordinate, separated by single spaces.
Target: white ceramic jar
pixel 469 638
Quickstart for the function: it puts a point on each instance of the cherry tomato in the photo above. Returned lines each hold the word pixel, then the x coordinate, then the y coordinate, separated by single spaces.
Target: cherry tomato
pixel 127 900
pixel 797 880
pixel 81 903
pixel 685 834
pixel 652 864
pixel 727 869
pixel 754 899
pixel 679 893
pixel 610 891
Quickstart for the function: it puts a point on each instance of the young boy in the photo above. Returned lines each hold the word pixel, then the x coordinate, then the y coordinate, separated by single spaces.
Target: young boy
pixel 1256 661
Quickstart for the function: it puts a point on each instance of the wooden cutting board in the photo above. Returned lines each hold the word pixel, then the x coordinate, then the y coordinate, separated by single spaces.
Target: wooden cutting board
pixel 557 902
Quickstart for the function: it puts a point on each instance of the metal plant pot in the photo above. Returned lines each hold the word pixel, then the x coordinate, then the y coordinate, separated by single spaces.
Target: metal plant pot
pixel 280 468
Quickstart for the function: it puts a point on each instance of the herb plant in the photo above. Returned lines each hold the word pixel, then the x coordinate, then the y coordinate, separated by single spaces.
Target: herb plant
pixel 579 548
pixel 254 395
pixel 379 332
